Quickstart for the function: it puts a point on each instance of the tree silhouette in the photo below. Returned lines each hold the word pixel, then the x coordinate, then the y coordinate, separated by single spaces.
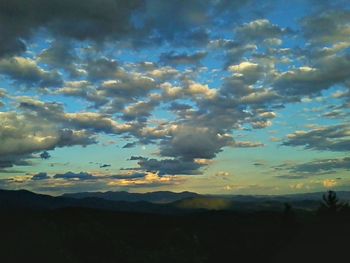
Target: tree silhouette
pixel 331 204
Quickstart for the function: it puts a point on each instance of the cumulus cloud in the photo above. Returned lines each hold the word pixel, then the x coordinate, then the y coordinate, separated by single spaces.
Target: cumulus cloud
pixel 261 97
pixel 26 72
pixel 261 124
pixel 194 89
pixel 268 115
pixel 82 89
pixel 127 86
pixel 2 93
pixel 194 142
pixel 171 167
pixel 140 110
pixel 92 121
pixel 25 135
pixel 247 72
pixel 234 51
pixel 312 80
pixel 259 30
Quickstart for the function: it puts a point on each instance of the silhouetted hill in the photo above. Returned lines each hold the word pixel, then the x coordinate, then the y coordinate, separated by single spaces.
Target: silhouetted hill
pixel 243 204
pixel 159 197
pixel 315 196
pixel 190 200
pixel 22 199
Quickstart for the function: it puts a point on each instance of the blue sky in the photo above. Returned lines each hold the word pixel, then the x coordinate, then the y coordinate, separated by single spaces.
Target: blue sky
pixel 216 96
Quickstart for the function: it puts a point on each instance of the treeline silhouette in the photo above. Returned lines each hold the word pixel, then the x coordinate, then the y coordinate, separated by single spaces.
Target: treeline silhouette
pixel 71 235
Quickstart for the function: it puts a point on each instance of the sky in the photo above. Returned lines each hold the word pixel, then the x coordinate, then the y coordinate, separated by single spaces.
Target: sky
pixel 210 96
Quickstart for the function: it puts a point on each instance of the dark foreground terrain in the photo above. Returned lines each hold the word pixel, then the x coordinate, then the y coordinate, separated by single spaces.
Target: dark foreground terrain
pixel 73 234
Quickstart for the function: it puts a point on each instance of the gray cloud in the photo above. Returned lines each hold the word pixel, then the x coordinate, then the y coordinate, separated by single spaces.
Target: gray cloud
pixel 102 68
pixel 45 155
pixel 82 20
pixel 74 176
pixel 329 138
pixel 9 161
pixel 129 145
pixel 174 58
pixel 169 166
pixel 328 27
pixel 139 111
pixel 317 167
pixel 137 22
pixel 61 55
pixel 40 176
pixel 83 90
pixel 125 88
pixel 71 137
pixel 235 53
pixel 325 165
pixel 128 176
pixel 326 58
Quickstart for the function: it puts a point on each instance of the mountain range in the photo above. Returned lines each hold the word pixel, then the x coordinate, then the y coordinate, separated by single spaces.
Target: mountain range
pixel 160 202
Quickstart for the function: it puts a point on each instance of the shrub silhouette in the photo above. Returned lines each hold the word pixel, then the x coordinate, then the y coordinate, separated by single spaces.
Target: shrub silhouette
pixel 289 221
pixel 288 214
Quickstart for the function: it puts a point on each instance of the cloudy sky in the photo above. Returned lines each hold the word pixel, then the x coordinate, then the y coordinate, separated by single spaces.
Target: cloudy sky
pixel 212 96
